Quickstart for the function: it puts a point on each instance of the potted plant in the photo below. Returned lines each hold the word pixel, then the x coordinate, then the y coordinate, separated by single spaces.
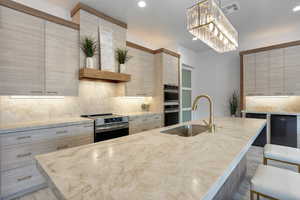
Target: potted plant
pixel 234 103
pixel 122 57
pixel 89 47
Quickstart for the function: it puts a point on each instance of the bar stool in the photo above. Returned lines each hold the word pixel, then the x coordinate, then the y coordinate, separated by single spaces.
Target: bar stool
pixel 275 184
pixel 282 154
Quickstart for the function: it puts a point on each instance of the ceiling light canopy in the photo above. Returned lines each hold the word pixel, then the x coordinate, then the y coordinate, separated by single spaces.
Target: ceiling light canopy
pixel 207 22
pixel 142 4
pixel 296 8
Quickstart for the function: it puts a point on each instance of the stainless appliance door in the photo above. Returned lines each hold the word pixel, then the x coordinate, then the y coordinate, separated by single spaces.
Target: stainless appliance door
pixel 171 117
pixel 111 132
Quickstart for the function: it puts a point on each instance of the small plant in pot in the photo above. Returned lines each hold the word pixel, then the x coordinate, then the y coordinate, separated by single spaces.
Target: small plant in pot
pixel 122 57
pixel 89 47
pixel 234 103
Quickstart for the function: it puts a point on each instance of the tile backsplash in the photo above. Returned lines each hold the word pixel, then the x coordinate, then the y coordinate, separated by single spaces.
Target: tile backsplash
pixel 94 97
pixel 290 104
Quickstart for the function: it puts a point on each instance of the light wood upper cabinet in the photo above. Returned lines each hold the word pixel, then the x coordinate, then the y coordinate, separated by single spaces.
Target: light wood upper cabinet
pixel 249 74
pixel 276 72
pixel 62 60
pixel 170 70
pixel 292 70
pixel 22 53
pixel 38 57
pixel 141 69
pixel 262 60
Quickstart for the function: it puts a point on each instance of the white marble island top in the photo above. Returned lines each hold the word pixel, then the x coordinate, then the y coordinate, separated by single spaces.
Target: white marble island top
pixel 151 165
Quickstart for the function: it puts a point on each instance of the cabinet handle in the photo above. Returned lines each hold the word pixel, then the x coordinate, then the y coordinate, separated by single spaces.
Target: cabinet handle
pixel 61 132
pixel 24 137
pixel 291 93
pixel 36 92
pixel 24 155
pixel 261 94
pixel 143 94
pixel 278 93
pixel 88 126
pixel 24 178
pixel 52 92
pixel 62 147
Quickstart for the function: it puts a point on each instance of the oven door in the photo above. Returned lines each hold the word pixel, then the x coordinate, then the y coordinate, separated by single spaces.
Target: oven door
pixel 110 132
pixel 171 117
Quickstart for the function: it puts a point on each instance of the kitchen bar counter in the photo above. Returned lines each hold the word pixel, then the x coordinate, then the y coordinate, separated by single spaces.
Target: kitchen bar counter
pixel 151 165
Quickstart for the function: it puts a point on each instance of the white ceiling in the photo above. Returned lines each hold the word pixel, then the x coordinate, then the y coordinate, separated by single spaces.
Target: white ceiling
pixel 163 22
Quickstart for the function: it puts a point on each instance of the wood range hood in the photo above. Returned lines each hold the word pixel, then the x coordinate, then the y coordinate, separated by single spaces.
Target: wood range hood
pixel 100 75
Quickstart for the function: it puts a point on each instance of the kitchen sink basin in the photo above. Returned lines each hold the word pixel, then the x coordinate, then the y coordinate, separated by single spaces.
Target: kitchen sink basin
pixel 187 130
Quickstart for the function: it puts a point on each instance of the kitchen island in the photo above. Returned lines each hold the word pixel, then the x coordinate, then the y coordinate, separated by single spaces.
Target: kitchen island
pixel 154 165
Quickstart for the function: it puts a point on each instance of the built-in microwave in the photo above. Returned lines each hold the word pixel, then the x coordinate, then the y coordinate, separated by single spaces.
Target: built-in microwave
pixel 171 104
pixel 171 93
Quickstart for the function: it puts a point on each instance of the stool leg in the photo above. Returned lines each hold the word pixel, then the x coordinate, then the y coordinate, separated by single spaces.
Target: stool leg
pixel 265 161
pixel 258 196
pixel 251 195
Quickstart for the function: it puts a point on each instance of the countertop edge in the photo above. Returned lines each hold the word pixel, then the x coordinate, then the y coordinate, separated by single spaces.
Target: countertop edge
pixel 136 114
pixel 272 113
pixel 44 125
pixel 220 182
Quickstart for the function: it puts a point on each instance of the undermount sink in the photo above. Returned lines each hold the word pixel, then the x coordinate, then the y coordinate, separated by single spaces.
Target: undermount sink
pixel 187 130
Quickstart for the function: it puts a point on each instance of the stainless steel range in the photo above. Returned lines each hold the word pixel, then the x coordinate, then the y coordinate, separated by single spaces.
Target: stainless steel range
pixel 109 126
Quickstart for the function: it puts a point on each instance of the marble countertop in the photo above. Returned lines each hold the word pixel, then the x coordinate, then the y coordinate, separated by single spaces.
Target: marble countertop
pixel 24 126
pixel 151 165
pixel 133 114
pixel 272 113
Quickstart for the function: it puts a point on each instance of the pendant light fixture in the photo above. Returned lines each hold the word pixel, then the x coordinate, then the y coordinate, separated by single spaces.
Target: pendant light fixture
pixel 207 22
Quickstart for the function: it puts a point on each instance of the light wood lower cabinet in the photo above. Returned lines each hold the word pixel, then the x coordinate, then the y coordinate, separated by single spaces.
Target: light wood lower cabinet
pixel 142 123
pixel 17 164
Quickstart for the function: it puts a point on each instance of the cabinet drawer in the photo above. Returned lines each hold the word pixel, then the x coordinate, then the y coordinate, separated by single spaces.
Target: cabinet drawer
pixel 17 156
pixel 44 134
pixel 144 123
pixel 20 179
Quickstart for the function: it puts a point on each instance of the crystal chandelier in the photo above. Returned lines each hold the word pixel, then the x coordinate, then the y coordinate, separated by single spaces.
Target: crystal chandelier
pixel 207 22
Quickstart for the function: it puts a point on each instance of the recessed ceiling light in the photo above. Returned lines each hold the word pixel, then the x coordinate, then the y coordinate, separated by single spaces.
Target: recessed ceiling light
pixel 195 38
pixel 296 8
pixel 142 4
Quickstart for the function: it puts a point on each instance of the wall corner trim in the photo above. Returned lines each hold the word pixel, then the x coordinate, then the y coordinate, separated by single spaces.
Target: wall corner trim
pixel 157 51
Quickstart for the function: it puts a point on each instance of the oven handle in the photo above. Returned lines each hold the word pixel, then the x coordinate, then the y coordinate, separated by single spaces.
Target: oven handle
pixel 171 111
pixel 111 128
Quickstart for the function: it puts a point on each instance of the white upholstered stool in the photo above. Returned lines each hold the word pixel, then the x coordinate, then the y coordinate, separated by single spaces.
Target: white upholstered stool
pixel 283 154
pixel 275 183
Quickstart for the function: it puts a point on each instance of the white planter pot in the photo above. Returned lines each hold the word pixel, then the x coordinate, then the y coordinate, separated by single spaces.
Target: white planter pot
pixel 122 68
pixel 89 62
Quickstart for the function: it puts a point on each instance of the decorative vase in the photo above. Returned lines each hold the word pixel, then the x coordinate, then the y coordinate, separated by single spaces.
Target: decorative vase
pixel 89 62
pixel 121 68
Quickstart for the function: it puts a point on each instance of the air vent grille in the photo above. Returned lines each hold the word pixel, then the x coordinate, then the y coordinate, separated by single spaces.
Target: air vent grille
pixel 231 8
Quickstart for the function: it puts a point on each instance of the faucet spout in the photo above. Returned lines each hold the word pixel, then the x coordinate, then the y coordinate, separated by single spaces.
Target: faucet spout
pixel 210 125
